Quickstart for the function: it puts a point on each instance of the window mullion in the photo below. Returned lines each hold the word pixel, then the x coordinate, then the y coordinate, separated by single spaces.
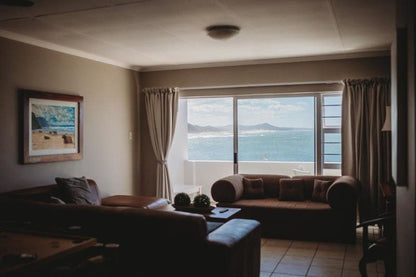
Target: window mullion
pixel 318 135
pixel 235 135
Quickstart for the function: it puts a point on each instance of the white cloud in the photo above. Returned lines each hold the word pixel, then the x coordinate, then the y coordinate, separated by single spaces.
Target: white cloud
pixel 285 112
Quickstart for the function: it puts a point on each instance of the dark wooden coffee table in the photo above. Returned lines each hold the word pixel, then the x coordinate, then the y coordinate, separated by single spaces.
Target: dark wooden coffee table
pixel 222 214
pixel 46 249
pixel 218 214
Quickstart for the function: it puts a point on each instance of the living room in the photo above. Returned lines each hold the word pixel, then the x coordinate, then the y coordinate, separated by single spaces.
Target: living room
pixel 109 52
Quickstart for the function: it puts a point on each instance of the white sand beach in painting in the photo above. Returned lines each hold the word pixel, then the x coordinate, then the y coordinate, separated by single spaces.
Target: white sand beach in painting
pixel 46 140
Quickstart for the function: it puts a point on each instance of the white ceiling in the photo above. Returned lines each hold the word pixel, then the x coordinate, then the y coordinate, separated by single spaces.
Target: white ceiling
pixel 154 34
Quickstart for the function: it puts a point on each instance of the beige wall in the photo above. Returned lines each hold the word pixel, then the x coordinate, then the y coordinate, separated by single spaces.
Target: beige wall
pixel 110 108
pixel 315 71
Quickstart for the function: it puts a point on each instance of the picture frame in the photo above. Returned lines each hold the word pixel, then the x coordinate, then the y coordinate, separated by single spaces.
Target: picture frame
pixel 51 127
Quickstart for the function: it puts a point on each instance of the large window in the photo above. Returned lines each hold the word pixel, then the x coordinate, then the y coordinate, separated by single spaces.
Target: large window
pixel 291 135
pixel 276 133
pixel 210 129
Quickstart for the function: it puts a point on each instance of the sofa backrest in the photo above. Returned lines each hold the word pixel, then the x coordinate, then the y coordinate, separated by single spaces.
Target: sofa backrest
pixel 230 188
pixel 272 183
pixel 44 192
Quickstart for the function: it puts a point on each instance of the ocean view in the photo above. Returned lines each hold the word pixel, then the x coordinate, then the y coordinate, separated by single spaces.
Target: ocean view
pixel 292 145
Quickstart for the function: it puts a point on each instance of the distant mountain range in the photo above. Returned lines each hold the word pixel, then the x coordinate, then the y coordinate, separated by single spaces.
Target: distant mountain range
pixel 229 128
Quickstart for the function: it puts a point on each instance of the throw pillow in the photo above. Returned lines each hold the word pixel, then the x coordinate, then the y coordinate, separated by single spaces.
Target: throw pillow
pixel 320 187
pixel 291 190
pixel 253 188
pixel 56 200
pixel 77 190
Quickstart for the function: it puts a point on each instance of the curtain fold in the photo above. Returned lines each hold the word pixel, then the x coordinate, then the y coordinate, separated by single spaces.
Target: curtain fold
pixel 365 148
pixel 161 109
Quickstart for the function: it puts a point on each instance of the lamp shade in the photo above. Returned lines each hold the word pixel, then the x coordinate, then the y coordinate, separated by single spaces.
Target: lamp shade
pixel 387 121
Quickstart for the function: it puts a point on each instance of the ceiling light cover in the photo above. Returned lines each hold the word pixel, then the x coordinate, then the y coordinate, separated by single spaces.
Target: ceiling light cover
pixel 222 31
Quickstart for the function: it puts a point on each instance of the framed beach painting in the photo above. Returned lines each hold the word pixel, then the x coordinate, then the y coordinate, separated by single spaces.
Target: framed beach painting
pixel 52 127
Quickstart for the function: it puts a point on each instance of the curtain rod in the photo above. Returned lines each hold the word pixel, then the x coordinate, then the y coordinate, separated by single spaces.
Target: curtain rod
pixel 262 85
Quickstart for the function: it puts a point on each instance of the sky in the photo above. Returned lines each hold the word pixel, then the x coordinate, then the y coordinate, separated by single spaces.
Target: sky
pixel 297 112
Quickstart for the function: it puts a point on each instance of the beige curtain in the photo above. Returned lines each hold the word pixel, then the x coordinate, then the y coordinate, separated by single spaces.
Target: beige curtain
pixel 161 109
pixel 365 148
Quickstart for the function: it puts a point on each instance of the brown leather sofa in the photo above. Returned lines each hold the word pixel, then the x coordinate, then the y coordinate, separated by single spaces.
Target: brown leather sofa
pixel 152 242
pixel 332 221
pixel 43 194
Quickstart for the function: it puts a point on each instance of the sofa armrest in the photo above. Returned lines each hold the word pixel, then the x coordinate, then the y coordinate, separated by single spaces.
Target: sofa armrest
pixel 228 189
pixel 342 194
pixel 145 202
pixel 232 245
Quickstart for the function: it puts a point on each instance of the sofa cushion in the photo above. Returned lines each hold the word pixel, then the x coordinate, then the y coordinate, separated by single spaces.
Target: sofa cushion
pixel 77 190
pixel 56 200
pixel 271 183
pixel 273 204
pixel 212 226
pixel 309 182
pixel 253 188
pixel 291 190
pixel 320 188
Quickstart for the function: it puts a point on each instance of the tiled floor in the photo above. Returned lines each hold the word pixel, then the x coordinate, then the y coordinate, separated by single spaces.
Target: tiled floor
pixel 291 258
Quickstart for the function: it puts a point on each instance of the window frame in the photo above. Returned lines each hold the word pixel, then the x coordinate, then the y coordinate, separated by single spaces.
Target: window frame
pixel 329 130
pixel 320 129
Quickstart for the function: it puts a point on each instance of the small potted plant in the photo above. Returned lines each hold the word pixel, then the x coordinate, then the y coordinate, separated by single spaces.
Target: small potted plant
pixel 181 200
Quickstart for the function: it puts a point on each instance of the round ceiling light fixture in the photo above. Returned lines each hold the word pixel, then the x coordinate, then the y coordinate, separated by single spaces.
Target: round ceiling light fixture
pixel 222 31
pixel 17 3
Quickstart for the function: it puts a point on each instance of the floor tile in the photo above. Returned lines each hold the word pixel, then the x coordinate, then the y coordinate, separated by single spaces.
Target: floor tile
pixel 350 273
pixel 291 269
pixel 301 252
pixel 332 246
pixel 268 265
pixel 351 264
pixel 279 249
pixel 271 255
pixel 287 258
pixel 278 242
pixel 296 260
pixel 285 275
pixel 335 254
pixel 319 271
pixel 353 257
pixel 357 247
pixel 356 273
pixel 327 262
pixel 354 251
pixel 272 252
pixel 304 244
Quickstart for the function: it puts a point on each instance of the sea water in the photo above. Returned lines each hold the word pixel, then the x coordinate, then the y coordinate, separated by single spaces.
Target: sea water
pixel 279 145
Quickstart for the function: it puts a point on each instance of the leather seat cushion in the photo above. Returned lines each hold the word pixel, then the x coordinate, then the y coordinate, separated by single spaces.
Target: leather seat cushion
pixel 274 204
